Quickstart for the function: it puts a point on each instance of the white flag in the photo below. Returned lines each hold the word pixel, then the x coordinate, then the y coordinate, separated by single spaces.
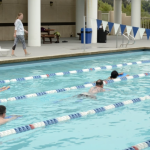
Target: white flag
pixel 104 25
pixel 141 31
pixel 116 27
pixel 129 28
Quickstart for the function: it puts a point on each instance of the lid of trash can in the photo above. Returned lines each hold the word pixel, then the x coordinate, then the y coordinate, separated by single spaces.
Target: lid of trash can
pixel 86 29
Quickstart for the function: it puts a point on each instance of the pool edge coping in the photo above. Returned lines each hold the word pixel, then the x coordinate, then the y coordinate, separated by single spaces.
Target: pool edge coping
pixel 70 55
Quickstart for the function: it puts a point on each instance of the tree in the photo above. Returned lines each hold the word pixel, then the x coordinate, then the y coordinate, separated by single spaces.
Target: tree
pixel 107 5
pixel 111 2
pixel 127 10
pixel 146 5
pixel 125 3
pixel 104 7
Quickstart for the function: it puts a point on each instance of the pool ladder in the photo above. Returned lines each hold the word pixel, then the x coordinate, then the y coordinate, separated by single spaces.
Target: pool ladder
pixel 129 38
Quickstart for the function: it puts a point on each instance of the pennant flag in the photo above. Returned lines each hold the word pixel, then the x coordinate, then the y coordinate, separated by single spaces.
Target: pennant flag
pixel 129 28
pixel 122 28
pixel 135 29
pixel 141 31
pixel 148 33
pixel 99 22
pixel 110 24
pixel 104 24
pixel 116 27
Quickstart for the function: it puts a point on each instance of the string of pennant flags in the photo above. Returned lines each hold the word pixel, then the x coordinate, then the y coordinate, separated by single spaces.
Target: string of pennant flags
pixel 123 27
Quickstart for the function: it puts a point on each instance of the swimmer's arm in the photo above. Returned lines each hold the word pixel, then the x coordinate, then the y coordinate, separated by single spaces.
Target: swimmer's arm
pixel 4 121
pixel 121 73
pixel 7 120
pixel 4 89
pixel 13 118
pixel 8 87
pixel 126 76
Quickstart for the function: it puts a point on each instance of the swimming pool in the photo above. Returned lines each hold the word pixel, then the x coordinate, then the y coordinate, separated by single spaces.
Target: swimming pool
pixel 114 129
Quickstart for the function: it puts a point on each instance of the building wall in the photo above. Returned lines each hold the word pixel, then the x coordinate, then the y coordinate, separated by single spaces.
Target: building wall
pixel 62 12
pixel 126 20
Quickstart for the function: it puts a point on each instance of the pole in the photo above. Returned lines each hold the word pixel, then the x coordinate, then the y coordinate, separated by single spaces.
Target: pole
pixel 34 23
pixel 117 40
pixel 122 39
pixel 84 31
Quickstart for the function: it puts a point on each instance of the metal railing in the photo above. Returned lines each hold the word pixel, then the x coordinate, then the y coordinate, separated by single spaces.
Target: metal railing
pixel 126 44
pixel 145 18
pixel 129 38
pixel 145 22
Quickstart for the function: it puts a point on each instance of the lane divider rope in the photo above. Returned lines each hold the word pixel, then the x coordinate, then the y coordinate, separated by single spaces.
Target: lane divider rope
pixel 69 117
pixel 139 146
pixel 72 88
pixel 73 72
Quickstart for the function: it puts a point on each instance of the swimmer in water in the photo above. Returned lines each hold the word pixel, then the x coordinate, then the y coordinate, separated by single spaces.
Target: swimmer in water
pixel 94 90
pixel 3 115
pixel 115 74
pixel 4 88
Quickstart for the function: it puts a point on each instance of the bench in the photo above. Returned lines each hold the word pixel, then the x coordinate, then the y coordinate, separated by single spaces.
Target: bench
pixel 47 36
pixel 79 35
pixel 4 52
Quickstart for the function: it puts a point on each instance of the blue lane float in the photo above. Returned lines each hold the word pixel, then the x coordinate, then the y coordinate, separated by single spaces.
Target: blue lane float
pixel 72 88
pixel 71 116
pixel 74 72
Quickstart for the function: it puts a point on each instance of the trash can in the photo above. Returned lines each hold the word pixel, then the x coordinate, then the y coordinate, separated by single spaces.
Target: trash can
pixel 101 36
pixel 88 35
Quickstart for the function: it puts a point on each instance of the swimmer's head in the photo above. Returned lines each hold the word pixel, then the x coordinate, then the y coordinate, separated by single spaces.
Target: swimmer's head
pixel 99 83
pixel 114 74
pixel 2 111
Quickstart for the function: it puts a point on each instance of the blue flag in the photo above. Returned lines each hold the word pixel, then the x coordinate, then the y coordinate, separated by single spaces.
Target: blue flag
pixel 99 22
pixel 110 24
pixel 148 33
pixel 135 29
pixel 122 28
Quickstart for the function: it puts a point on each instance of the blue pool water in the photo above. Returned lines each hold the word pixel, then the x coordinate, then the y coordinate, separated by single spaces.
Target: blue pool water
pixel 115 129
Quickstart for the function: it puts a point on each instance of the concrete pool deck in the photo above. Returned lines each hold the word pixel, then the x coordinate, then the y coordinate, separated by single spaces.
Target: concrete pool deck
pixel 72 48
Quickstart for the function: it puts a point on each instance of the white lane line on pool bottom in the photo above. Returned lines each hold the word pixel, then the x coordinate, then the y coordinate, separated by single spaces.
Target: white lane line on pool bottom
pixel 68 117
pixel 73 72
pixel 72 88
